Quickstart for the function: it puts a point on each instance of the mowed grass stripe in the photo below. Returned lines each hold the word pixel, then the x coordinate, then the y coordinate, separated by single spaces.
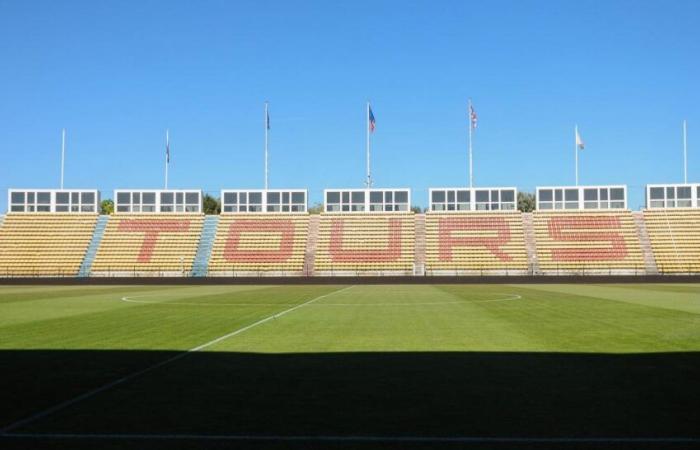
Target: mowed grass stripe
pixel 128 376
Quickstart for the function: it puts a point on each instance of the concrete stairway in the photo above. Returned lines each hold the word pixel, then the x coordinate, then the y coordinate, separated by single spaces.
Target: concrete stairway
pixel 419 251
pixel 311 243
pixel 86 265
pixel 200 266
pixel 530 243
pixel 645 242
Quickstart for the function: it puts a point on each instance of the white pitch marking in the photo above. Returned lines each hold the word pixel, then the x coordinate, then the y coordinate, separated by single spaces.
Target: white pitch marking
pixel 357 438
pixel 509 297
pixel 136 374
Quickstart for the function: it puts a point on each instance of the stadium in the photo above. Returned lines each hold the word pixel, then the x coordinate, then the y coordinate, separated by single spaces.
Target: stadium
pixel 433 312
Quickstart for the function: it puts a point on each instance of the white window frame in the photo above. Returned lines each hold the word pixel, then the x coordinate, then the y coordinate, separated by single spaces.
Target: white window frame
pixel 264 203
pixel 580 203
pixel 672 203
pixel 366 204
pixel 473 206
pixel 137 208
pixel 73 207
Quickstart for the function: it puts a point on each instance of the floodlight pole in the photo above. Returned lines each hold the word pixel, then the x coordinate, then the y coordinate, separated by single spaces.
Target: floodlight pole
pixel 63 154
pixel 685 151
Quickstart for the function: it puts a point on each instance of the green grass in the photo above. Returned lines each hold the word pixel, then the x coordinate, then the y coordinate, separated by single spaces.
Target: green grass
pixel 379 360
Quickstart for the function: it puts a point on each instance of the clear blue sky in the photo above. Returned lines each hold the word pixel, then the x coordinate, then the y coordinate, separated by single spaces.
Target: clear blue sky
pixel 117 74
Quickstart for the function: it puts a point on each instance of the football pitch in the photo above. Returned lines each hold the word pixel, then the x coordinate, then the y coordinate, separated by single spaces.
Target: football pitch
pixel 350 366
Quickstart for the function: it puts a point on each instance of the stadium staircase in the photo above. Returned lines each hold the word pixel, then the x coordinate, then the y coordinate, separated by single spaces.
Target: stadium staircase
pixel 86 265
pixel 200 267
pixel 419 257
pixel 311 244
pixel 530 244
pixel 645 242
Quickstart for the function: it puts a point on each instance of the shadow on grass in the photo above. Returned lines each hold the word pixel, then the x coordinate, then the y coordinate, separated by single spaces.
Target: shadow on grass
pixel 528 395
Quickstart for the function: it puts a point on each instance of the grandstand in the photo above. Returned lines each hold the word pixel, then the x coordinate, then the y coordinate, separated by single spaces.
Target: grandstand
pixel 47 232
pixel 152 233
pixel 672 220
pixel 366 232
pixel 575 230
pixel 474 232
pixel 590 231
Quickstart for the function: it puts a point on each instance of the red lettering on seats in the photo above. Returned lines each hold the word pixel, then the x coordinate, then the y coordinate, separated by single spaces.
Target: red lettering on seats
pixel 392 251
pixel 447 226
pixel 285 229
pixel 564 229
pixel 151 228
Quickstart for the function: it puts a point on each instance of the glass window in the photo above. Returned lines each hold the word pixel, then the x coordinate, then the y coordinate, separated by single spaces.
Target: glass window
pixel 388 197
pixel 656 193
pixel 62 198
pixel 75 197
pixel 285 197
pixel 346 197
pixel 273 197
pixel 62 208
pixel 87 197
pixel 494 196
pixel 451 196
pixel 255 198
pixel 136 197
pixel 192 197
pixel 546 195
pixel 332 197
pixel 508 196
pixel 375 197
pixel 122 197
pixel 401 197
pixel 17 197
pixel 683 192
pixel 44 198
pixel 298 197
pixel 230 197
pixel 30 197
pixel 243 198
pixel 149 198
pixel 438 196
pixel 558 195
pixel 482 196
pixel 617 194
pixel 358 197
pixel 167 198
pixel 590 194
pixel 463 196
pixel 571 195
pixel 604 194
pixel 178 197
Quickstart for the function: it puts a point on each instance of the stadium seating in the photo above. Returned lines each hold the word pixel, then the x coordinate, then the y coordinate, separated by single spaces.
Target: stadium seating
pixel 148 244
pixel 44 244
pixel 259 244
pixel 475 243
pixel 675 239
pixel 587 242
pixel 365 244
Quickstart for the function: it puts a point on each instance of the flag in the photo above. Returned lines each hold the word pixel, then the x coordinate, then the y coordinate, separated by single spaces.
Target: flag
pixel 579 142
pixel 167 147
pixel 472 116
pixel 372 123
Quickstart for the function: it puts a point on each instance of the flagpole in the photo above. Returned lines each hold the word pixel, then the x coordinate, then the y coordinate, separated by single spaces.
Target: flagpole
pixel 368 182
pixel 685 151
pixel 576 150
pixel 167 156
pixel 266 144
pixel 470 125
pixel 63 154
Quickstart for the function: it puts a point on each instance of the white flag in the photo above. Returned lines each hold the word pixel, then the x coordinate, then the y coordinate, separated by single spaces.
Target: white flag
pixel 579 141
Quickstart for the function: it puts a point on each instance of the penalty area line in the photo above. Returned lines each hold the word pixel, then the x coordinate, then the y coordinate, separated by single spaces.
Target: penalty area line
pixel 357 438
pixel 13 426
